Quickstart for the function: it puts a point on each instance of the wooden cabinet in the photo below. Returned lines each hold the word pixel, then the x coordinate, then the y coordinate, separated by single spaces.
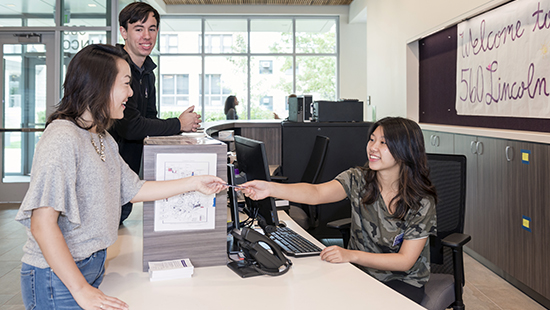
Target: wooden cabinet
pixel 486 179
pixel 508 181
pixel 527 187
pixel 508 189
pixel 465 145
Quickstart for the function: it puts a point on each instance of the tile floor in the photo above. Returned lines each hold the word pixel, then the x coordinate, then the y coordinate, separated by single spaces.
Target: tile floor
pixel 483 291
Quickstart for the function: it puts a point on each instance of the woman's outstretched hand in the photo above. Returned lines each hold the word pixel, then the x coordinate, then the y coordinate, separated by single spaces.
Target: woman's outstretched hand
pixel 256 190
pixel 209 184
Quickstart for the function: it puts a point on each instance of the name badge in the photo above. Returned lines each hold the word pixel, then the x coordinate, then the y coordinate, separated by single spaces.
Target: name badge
pixel 398 239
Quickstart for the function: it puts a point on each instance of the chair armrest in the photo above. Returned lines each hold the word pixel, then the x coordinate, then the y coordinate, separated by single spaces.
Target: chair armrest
pixel 340 224
pixel 456 240
pixel 344 226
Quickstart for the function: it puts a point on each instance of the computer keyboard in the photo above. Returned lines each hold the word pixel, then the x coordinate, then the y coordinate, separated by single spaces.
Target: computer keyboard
pixel 292 243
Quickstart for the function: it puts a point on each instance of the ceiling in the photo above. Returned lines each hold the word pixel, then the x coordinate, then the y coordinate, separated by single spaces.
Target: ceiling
pixel 260 2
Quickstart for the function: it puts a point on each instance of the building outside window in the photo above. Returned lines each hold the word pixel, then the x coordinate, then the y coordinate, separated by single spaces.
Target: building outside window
pixel 266 67
pixel 217 43
pixel 175 90
pixel 169 42
pixel 253 58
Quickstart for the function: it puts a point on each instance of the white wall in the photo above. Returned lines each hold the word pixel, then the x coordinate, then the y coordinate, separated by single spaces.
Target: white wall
pixel 353 55
pixel 391 24
pixel 353 60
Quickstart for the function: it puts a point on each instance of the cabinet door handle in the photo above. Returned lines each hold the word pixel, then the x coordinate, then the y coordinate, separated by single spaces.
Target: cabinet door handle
pixel 479 148
pixel 432 140
pixel 509 153
pixel 437 141
pixel 473 147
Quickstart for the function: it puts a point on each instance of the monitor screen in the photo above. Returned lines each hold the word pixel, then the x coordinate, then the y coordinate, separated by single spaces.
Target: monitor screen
pixel 252 160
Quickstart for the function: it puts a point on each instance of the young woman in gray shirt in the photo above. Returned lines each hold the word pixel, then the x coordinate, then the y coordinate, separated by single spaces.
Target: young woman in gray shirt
pixel 78 183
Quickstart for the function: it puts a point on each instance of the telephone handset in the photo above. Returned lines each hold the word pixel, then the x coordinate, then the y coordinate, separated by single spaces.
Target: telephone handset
pixel 258 259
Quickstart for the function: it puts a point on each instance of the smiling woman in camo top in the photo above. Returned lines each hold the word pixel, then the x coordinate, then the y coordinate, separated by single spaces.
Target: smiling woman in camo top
pixel 392 202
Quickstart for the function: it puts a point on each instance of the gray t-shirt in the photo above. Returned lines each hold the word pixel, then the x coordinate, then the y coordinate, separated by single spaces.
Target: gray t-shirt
pixel 374 230
pixel 68 175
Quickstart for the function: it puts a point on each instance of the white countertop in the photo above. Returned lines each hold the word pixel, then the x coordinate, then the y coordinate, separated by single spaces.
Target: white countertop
pixel 310 284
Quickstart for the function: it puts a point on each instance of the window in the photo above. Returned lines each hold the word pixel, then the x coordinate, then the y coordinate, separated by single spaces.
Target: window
pixel 267 102
pixel 179 35
pixel 225 35
pixel 217 43
pixel 169 43
pixel 175 90
pixel 266 67
pixel 254 58
pixel 31 13
pixel 85 13
pixel 32 85
pixel 214 91
pixel 178 86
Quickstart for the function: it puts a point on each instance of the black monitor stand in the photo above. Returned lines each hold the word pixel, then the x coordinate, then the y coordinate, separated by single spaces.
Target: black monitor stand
pixel 232 247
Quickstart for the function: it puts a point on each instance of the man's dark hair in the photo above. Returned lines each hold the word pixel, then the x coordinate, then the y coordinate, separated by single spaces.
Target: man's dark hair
pixel 135 12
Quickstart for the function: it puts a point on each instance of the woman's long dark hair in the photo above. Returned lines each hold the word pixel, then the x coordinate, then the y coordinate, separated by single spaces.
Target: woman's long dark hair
pixel 229 103
pixel 406 144
pixel 88 84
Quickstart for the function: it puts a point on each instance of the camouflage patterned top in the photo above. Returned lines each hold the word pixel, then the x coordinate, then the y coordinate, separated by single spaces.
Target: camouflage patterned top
pixel 374 230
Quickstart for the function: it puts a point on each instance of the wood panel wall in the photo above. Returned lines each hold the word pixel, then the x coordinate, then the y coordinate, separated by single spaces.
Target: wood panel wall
pixel 271 137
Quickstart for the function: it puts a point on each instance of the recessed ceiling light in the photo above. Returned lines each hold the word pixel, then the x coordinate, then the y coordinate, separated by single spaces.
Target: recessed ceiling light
pixel 92 5
pixel 10 5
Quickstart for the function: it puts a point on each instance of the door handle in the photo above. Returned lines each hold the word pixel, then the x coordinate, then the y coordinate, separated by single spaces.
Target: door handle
pixel 479 148
pixel 509 153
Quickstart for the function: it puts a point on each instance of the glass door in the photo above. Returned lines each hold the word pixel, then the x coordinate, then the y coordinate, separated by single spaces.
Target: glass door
pixel 27 84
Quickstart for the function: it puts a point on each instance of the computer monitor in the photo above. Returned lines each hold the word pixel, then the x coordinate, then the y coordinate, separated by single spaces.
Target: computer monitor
pixel 252 160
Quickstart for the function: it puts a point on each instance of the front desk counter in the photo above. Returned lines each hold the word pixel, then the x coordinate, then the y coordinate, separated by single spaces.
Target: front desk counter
pixel 310 284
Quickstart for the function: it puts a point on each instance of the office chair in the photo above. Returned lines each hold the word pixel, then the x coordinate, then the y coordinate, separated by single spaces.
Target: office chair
pixel 305 215
pixel 444 289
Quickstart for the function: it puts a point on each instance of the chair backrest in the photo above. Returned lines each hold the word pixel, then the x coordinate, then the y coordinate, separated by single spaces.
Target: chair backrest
pixel 316 160
pixel 311 175
pixel 448 174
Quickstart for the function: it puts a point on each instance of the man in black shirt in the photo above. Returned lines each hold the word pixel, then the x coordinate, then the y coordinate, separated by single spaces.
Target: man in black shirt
pixel 139 23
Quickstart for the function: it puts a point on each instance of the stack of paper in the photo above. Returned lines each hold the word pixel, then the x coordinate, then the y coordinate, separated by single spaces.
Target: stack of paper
pixel 171 269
